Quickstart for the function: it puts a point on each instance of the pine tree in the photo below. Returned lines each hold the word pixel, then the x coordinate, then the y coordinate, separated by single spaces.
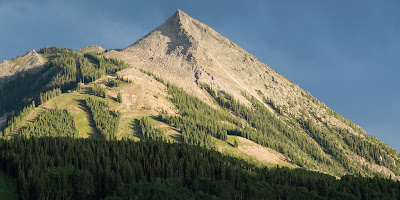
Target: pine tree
pixel 119 97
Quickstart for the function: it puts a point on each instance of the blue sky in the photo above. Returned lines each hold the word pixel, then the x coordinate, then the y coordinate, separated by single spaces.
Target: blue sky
pixel 345 53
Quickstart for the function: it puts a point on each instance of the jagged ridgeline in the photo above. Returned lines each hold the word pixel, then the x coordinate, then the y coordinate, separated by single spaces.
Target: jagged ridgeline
pixel 63 71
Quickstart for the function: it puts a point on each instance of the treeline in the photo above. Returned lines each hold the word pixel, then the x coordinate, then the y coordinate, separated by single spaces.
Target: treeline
pixel 335 140
pixel 268 130
pixel 198 121
pixel 265 128
pixel 170 188
pixel 117 81
pixel 88 70
pixel 49 95
pixel 106 120
pixel 53 51
pixel 287 140
pixel 99 91
pixel 67 168
pixel 370 151
pixel 18 93
pixel 328 142
pixel 93 66
pixel 148 131
pixel 66 76
pixel 13 121
pixel 63 71
pixel 52 122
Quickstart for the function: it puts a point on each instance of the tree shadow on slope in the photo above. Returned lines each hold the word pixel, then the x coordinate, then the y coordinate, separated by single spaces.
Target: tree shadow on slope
pixel 82 105
pixel 135 126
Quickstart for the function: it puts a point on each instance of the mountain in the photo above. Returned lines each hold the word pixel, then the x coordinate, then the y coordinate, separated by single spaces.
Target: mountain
pixel 184 82
pixel 188 53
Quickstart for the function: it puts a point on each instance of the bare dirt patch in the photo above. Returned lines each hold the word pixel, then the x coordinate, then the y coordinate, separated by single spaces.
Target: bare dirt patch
pixel 259 152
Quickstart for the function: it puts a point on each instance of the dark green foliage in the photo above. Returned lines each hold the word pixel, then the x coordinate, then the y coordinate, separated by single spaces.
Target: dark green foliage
pixel 93 66
pixel 49 50
pixel 119 97
pixel 64 69
pixel 198 121
pixel 49 95
pixel 88 70
pixel 106 120
pixel 113 83
pixel 159 189
pixel 53 122
pixel 12 122
pixel 268 130
pixel 147 130
pixel 372 152
pixel 21 91
pixel 98 90
pixel 65 65
pixel 236 144
pixel 67 168
pixel 106 65
pixel 8 188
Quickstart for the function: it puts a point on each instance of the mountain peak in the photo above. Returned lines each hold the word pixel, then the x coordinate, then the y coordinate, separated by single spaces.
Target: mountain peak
pixel 179 13
pixel 177 22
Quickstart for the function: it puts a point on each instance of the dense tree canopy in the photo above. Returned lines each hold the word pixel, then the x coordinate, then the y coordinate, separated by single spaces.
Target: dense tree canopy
pixel 106 120
pixel 53 122
pixel 67 168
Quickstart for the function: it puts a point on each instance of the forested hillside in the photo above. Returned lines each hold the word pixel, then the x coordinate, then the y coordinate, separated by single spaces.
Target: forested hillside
pixel 67 168
pixel 64 71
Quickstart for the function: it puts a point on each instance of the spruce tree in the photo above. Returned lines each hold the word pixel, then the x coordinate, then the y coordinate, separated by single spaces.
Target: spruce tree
pixel 119 97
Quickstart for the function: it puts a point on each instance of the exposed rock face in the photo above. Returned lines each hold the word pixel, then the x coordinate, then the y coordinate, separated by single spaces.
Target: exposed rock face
pixel 30 62
pixel 187 52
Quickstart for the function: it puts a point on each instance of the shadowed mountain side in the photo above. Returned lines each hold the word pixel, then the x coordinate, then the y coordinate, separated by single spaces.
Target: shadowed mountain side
pixel 31 62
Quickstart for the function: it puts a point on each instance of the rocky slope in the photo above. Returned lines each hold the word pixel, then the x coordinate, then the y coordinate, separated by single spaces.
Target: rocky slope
pixel 188 53
pixel 30 62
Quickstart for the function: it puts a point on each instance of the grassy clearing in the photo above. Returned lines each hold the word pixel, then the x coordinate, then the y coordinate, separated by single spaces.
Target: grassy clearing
pixel 227 148
pixel 74 103
pixel 8 188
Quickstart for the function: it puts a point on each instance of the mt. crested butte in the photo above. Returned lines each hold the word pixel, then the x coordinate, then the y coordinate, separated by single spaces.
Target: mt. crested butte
pixel 262 116
pixel 188 53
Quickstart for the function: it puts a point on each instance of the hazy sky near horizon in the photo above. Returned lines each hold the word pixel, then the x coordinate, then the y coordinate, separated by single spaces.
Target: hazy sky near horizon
pixel 345 53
